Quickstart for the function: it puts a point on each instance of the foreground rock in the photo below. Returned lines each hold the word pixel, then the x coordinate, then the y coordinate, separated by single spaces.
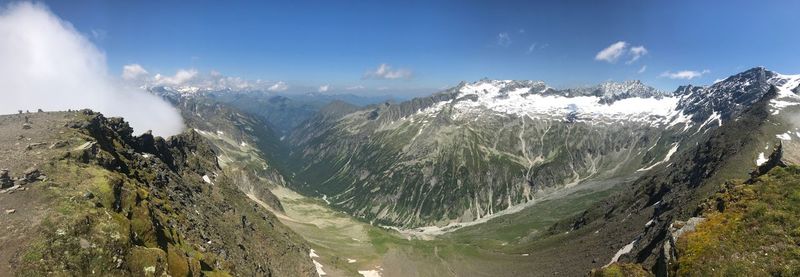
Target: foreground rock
pixel 5 179
pixel 125 205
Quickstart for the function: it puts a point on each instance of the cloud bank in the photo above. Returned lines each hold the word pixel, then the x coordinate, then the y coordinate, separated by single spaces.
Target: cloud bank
pixel 180 77
pixel 192 80
pixel 279 86
pixel 47 64
pixel 133 72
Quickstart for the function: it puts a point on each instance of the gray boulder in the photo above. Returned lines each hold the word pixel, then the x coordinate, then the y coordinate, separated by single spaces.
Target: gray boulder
pixel 5 179
pixel 31 174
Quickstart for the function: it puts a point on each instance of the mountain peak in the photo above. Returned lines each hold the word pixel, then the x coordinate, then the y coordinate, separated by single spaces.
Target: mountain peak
pixel 611 91
pixel 730 95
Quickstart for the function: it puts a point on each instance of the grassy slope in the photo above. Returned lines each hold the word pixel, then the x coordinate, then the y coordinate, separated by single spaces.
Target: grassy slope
pixel 756 233
pixel 519 231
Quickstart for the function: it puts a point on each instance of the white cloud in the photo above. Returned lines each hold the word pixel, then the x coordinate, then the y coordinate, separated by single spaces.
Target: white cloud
pixel 636 52
pixel 531 48
pixel 684 74
pixel 521 31
pixel 279 86
pixel 643 69
pixel 181 77
pixel 324 88
pixel 48 64
pixel 356 87
pixel 612 52
pixel 99 34
pixel 503 39
pixel 133 72
pixel 385 71
pixel 535 46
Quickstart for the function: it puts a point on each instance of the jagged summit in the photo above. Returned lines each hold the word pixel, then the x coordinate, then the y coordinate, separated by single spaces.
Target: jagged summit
pixel 608 92
pixel 735 93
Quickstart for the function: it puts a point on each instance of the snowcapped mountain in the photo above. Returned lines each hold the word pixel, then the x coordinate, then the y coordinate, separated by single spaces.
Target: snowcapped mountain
pixel 630 100
pixel 730 96
pixel 609 92
pixel 483 147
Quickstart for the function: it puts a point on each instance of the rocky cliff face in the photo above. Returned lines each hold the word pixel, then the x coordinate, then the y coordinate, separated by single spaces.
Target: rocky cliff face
pixel 249 150
pixel 120 204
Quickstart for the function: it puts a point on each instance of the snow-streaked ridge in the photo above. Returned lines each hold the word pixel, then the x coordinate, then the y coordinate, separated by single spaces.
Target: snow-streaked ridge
pixel 529 98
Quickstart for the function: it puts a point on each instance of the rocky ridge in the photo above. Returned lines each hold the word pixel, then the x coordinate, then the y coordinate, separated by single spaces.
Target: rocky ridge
pixel 135 205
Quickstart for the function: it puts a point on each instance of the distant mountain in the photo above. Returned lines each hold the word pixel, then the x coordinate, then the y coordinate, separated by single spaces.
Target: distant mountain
pixel 283 112
pixel 609 92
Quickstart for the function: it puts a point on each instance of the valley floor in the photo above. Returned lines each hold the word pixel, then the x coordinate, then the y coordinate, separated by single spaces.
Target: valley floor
pixel 344 246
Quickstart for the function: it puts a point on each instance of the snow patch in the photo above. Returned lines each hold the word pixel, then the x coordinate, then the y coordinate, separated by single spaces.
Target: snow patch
pixel 679 118
pixel 207 179
pixel 761 159
pixel 625 250
pixel 714 116
pixel 669 155
pixel 784 136
pixel 370 273
pixel 786 97
pixel 317 265
pixel 350 261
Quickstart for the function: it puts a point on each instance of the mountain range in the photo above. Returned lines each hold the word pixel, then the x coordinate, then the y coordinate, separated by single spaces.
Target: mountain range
pixel 455 167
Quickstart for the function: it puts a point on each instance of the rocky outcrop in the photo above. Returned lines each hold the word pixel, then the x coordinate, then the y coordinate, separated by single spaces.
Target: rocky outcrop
pixel 128 205
pixel 676 230
pixel 774 159
pixel 5 179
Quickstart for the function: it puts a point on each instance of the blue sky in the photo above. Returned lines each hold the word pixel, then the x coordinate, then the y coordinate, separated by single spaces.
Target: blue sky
pixel 428 45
